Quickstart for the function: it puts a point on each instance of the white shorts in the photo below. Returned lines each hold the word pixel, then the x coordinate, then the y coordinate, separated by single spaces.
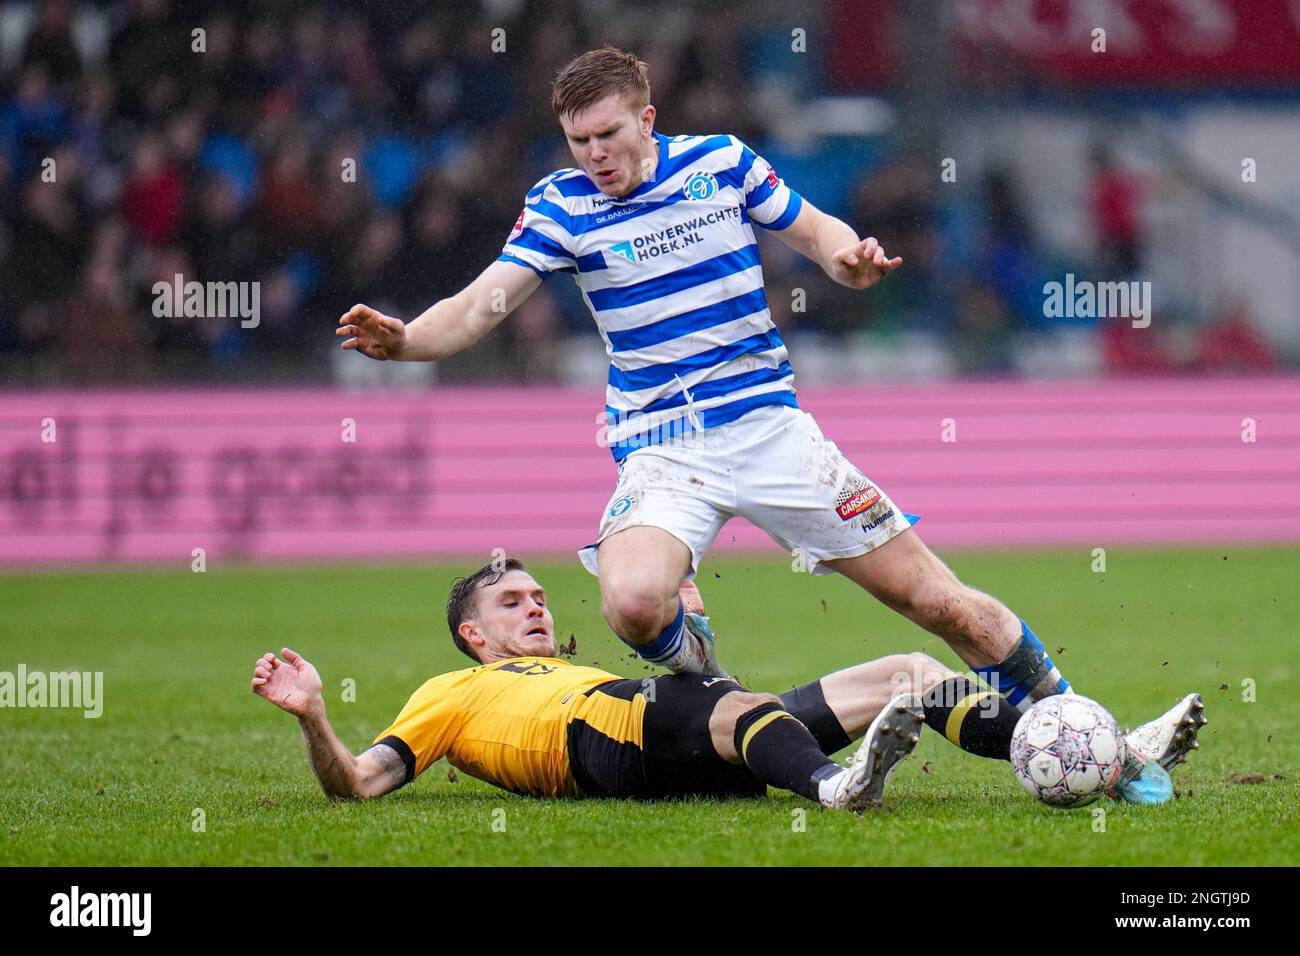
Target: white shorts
pixel 773 467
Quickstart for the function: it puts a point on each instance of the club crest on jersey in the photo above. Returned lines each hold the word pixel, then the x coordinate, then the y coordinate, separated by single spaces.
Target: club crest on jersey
pixel 519 227
pixel 621 507
pixel 852 501
pixel 700 186
pixel 771 178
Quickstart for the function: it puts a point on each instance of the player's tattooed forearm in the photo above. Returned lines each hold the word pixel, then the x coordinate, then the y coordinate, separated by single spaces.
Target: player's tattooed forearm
pixel 390 760
pixel 335 776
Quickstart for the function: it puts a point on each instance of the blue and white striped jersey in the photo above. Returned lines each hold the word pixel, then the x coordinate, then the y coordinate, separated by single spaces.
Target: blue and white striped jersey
pixel 671 274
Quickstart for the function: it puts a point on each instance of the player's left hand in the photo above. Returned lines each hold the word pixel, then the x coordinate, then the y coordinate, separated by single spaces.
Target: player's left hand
pixel 862 265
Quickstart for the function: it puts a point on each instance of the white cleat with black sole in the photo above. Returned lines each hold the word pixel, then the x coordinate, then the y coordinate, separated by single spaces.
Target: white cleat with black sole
pixel 891 737
pixel 1172 736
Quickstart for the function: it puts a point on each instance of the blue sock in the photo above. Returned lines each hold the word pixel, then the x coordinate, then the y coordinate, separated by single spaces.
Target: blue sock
pixel 1026 670
pixel 664 647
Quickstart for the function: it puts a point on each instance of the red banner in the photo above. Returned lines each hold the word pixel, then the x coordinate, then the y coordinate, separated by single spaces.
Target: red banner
pixel 1141 43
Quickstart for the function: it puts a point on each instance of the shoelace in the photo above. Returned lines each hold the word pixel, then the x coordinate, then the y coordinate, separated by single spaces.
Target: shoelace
pixel 691 416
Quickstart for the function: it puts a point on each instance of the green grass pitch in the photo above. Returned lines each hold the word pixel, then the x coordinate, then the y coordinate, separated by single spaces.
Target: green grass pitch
pixel 181 731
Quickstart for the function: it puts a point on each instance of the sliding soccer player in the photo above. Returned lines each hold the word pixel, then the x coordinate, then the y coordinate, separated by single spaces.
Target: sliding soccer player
pixel 658 233
pixel 529 722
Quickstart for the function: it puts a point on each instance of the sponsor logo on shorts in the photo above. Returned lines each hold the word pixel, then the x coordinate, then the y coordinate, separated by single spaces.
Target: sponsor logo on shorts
pixel 857 501
pixel 621 507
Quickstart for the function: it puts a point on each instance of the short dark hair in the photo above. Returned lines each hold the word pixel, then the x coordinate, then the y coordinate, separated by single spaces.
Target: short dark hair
pixel 460 603
pixel 589 78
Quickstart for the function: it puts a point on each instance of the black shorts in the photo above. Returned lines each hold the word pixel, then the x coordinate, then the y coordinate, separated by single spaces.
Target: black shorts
pixel 676 756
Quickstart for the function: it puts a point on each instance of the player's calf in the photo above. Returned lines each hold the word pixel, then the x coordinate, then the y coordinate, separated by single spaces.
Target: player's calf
pixel 909 578
pixel 978 720
pixel 839 707
pixel 1026 673
pixel 779 750
pixel 684 647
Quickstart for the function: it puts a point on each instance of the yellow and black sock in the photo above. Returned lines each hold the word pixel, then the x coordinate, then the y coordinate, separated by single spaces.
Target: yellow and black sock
pixel 807 704
pixel 780 751
pixel 977 720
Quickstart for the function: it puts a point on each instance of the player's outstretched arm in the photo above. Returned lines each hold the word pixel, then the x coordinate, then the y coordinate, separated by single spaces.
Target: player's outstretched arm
pixel 445 328
pixel 294 686
pixel 833 245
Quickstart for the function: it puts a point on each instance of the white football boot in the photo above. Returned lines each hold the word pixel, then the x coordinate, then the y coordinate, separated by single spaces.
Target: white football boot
pixel 891 737
pixel 1172 736
pixel 1154 749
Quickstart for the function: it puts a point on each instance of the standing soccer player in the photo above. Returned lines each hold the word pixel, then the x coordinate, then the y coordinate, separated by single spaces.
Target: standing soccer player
pixel 658 233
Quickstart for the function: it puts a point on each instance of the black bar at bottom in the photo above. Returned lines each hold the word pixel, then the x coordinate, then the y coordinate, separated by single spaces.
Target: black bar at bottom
pixel 333 905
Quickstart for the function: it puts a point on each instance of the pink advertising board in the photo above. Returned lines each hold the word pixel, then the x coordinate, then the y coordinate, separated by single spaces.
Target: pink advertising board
pixel 125 476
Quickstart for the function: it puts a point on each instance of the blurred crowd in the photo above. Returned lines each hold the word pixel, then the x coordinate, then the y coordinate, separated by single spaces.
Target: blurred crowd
pixel 339 153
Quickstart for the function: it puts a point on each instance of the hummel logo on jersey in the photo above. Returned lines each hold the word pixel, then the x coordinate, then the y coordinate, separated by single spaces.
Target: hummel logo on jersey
pixel 617 212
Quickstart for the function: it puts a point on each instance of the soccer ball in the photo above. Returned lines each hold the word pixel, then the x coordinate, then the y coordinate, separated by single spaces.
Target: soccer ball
pixel 1067 750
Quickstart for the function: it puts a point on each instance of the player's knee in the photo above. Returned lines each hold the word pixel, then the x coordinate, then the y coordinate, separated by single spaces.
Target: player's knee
pixel 635 612
pixel 726 716
pixel 735 705
pixel 926 672
pixel 747 700
pixel 913 673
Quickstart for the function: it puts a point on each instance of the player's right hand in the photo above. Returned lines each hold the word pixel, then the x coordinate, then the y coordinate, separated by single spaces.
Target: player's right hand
pixel 291 684
pixel 692 601
pixel 372 333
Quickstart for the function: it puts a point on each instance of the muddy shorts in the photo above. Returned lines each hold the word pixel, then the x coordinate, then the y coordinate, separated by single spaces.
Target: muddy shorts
pixel 773 467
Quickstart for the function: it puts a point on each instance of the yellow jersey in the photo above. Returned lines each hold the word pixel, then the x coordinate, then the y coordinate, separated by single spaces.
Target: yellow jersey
pixel 507 722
